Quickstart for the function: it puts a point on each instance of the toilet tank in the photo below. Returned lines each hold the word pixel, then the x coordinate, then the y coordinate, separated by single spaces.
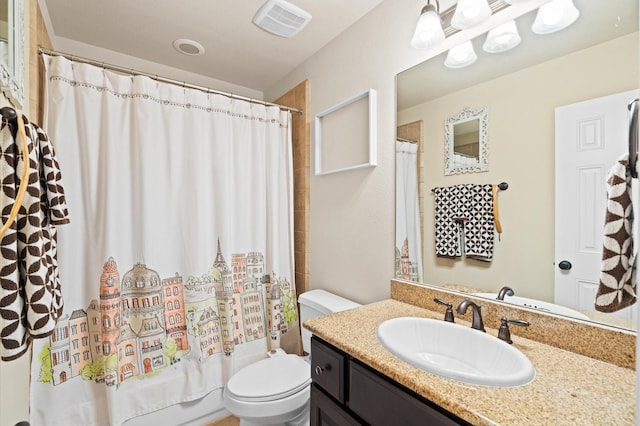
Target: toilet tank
pixel 315 303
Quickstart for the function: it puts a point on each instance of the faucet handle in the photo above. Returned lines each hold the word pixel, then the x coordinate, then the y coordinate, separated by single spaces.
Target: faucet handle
pixel 448 314
pixel 504 333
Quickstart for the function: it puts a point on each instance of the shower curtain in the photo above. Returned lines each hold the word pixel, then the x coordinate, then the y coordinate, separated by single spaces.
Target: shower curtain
pixel 408 238
pixel 177 266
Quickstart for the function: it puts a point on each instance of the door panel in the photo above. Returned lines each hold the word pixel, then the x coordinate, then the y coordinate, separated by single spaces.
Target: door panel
pixel 590 137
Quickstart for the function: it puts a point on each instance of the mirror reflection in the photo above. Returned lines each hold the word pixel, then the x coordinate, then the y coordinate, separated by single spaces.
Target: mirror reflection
pixel 4 33
pixel 523 89
pixel 466 142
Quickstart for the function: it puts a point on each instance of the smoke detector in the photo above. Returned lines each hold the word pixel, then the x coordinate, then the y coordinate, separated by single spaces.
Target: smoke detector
pixel 281 18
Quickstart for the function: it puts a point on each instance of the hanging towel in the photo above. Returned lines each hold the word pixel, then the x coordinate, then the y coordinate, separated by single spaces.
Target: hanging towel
pixel 476 206
pixel 465 210
pixel 446 228
pixel 30 295
pixel 617 288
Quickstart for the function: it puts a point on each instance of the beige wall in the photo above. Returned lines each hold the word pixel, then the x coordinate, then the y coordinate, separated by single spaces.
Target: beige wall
pixel 352 213
pixel 521 152
pixel 352 217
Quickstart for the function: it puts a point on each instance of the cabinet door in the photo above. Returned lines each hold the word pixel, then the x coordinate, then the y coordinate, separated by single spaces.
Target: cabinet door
pixel 327 368
pixel 379 402
pixel 325 412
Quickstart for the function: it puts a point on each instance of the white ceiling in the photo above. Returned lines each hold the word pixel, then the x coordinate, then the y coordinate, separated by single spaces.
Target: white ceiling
pixel 236 51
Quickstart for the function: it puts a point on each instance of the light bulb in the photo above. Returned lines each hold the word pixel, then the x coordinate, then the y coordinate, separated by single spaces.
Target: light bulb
pixel 554 16
pixel 502 38
pixel 428 30
pixel 461 56
pixel 470 13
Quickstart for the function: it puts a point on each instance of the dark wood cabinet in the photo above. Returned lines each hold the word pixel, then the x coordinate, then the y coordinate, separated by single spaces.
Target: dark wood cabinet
pixel 347 392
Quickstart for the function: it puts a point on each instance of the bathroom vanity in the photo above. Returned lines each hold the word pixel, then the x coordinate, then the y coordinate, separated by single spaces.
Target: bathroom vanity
pixel 347 392
pixel 356 380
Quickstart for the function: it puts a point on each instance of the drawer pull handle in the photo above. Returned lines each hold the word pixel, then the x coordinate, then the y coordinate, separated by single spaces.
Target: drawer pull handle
pixel 320 370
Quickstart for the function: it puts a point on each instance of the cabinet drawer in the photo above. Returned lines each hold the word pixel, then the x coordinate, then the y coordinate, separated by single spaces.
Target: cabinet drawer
pixel 327 368
pixel 379 402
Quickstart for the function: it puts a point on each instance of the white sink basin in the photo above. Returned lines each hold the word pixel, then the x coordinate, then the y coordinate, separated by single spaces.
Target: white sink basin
pixel 455 351
pixel 536 304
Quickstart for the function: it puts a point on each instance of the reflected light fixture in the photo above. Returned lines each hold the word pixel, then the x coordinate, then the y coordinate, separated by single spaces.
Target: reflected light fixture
pixel 429 28
pixel 470 13
pixel 502 38
pixel 461 56
pixel 554 16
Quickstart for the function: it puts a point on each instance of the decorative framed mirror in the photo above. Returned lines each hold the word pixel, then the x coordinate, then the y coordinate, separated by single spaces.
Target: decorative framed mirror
pixel 12 51
pixel 466 144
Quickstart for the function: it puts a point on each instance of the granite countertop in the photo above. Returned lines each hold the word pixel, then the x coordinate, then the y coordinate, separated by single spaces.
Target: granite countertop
pixel 569 389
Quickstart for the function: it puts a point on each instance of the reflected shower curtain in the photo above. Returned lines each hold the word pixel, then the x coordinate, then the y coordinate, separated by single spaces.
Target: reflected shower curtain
pixel 408 239
pixel 177 266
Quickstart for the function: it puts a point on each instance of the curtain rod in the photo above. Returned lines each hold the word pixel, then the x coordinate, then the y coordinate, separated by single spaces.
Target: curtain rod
pixel 406 140
pixel 131 71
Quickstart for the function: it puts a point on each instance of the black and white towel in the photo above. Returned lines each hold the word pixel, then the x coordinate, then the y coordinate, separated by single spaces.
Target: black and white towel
pixel 30 294
pixel 465 210
pixel 447 228
pixel 617 288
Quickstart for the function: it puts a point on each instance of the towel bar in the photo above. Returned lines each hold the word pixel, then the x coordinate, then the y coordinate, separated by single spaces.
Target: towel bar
pixel 503 186
pixel 633 137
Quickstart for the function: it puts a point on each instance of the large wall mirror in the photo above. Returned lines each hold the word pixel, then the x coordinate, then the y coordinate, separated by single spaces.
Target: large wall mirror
pixel 522 90
pixel 12 51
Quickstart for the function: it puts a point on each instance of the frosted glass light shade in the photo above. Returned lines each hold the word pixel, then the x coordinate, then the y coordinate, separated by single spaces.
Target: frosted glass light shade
pixel 470 13
pixel 502 38
pixel 429 30
pixel 554 16
pixel 461 56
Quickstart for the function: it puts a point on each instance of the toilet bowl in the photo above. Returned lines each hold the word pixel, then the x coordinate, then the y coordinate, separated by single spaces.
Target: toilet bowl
pixel 273 391
pixel 276 390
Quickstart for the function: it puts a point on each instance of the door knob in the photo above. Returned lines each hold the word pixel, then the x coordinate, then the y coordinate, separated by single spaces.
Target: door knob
pixel 565 265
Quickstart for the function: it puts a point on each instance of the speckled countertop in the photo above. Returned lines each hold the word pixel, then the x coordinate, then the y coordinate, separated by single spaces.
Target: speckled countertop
pixel 569 389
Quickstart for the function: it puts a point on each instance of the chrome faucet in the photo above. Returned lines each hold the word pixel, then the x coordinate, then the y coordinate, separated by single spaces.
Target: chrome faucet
pixel 505 291
pixel 477 314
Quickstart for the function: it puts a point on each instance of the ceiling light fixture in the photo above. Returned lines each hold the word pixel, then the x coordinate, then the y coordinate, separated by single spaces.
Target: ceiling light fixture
pixel 470 13
pixel 281 18
pixel 188 47
pixel 461 56
pixel 429 28
pixel 434 27
pixel 554 16
pixel 502 38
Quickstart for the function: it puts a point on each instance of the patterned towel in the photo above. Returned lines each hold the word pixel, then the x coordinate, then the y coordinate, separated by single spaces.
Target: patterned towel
pixel 447 229
pixel 30 295
pixel 617 288
pixel 465 210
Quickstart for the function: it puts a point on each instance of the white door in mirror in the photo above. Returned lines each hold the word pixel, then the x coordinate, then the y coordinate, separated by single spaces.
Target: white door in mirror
pixel 590 137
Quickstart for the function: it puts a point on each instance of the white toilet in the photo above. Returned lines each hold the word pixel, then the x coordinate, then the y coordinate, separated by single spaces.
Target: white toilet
pixel 275 390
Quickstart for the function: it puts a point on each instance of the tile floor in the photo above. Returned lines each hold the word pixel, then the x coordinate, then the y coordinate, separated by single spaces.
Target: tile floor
pixel 225 421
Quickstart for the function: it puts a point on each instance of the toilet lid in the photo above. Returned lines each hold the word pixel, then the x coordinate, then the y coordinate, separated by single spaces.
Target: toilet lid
pixel 270 379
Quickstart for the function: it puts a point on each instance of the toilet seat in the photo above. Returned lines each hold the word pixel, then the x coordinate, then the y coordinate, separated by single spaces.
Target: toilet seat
pixel 270 379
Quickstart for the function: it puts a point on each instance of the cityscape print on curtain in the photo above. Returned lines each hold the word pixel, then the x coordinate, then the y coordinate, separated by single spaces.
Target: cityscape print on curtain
pixel 143 323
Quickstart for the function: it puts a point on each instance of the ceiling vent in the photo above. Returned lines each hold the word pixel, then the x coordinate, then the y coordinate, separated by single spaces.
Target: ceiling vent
pixel 281 18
